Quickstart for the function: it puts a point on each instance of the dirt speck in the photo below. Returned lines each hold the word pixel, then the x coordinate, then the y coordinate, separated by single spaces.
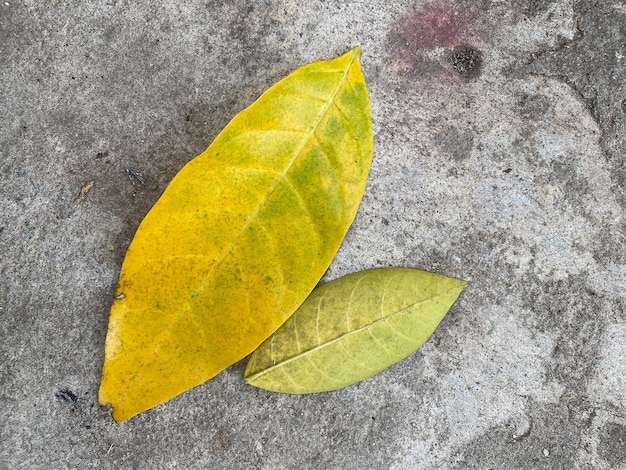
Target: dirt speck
pixel 466 61
pixel 67 396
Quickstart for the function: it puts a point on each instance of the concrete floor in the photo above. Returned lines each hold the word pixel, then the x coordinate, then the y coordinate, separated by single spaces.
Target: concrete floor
pixel 499 158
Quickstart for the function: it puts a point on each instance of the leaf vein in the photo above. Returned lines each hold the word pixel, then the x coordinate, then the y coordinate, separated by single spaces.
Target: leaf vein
pixel 354 359
pixel 305 208
pixel 375 338
pixel 349 306
pixel 315 366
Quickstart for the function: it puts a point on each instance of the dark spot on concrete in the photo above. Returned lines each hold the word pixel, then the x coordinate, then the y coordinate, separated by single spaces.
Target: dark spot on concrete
pixel 612 446
pixel 458 144
pixel 67 396
pixel 536 7
pixel 533 106
pixel 508 170
pixel 575 187
pixel 223 441
pixel 109 33
pixel 467 61
pixel 624 105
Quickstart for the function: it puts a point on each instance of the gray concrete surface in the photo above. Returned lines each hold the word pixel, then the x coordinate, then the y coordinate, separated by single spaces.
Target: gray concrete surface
pixel 500 156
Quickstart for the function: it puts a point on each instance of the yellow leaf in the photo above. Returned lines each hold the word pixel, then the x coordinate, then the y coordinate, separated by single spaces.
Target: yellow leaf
pixel 353 328
pixel 240 237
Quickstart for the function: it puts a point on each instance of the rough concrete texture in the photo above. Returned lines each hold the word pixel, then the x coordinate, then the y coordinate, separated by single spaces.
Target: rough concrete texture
pixel 499 158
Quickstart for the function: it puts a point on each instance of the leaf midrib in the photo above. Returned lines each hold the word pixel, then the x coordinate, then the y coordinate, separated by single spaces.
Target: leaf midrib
pixel 304 354
pixel 281 176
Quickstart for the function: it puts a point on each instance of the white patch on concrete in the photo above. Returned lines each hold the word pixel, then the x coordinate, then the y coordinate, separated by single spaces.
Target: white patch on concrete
pixel 610 379
pixel 609 281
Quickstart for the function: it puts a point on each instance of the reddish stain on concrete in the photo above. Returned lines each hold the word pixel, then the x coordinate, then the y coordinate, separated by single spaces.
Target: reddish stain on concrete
pixel 421 43
pixel 432 26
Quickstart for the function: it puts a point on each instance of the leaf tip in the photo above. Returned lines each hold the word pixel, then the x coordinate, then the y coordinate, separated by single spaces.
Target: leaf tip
pixel 462 284
pixel 106 400
pixel 356 51
pixel 107 407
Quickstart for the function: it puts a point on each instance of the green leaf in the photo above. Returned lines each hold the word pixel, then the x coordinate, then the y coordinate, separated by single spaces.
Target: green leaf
pixel 353 328
pixel 240 237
